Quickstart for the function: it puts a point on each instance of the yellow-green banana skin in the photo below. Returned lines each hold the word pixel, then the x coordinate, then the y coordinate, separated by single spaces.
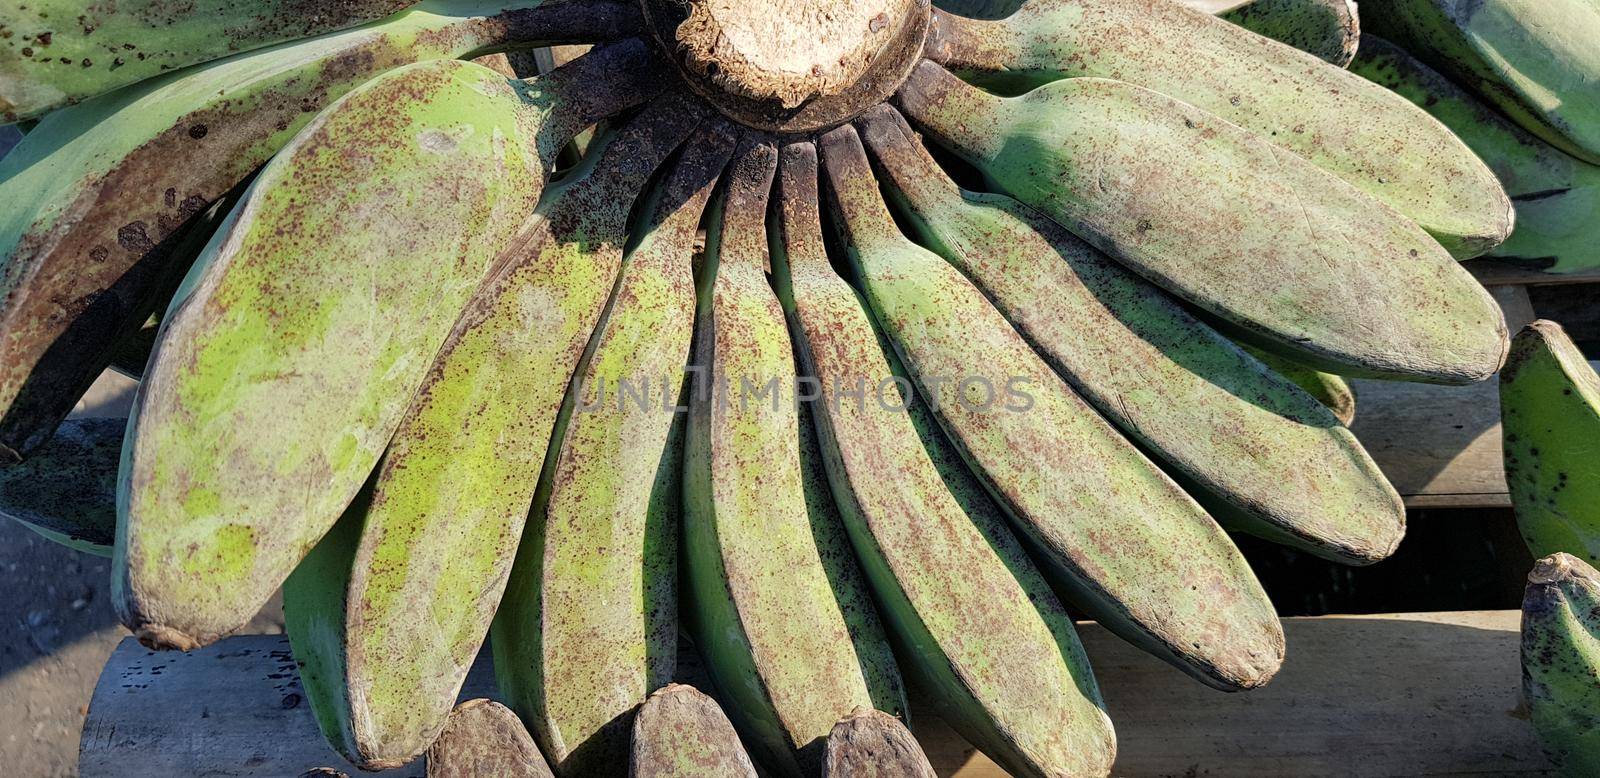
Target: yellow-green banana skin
pixel 1556 196
pixel 1535 60
pixel 996 649
pixel 1550 412
pixel 320 309
pixel 1134 550
pixel 96 199
pixel 1355 288
pixel 57 52
pixel 67 492
pixel 1276 458
pixel 1331 390
pixel 1329 30
pixel 1561 660
pixel 765 611
pixel 588 626
pixel 1370 138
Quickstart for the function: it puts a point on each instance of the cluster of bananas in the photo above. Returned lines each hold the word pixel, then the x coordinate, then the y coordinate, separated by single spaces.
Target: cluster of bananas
pixel 410 353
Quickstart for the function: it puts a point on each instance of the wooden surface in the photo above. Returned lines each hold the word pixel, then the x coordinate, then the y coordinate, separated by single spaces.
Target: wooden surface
pixel 1418 694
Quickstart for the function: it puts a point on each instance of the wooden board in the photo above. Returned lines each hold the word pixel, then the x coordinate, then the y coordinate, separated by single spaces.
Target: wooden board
pixel 1409 694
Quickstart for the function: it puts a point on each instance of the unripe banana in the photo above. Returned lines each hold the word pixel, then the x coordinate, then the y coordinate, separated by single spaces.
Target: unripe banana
pixel 1557 197
pixel 588 626
pixel 1331 390
pixel 68 491
pixel 484 738
pixel 1561 660
pixel 1535 60
pixel 10 136
pixel 873 744
pixel 1353 288
pixel 1136 552
pixel 98 196
pixel 1278 461
pixel 782 620
pixel 1287 97
pixel 681 733
pixel 319 308
pixel 984 632
pixel 453 490
pixel 1329 30
pixel 1550 412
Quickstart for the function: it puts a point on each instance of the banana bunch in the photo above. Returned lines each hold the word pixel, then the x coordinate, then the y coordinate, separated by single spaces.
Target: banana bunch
pixel 992 318
pixel 1561 659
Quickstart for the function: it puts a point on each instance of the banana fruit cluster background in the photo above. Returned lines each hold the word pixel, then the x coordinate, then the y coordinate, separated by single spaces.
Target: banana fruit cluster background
pixel 1023 332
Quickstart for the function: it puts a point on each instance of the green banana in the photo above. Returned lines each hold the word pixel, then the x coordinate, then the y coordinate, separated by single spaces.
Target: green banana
pixel 68 491
pixel 1286 97
pixel 1280 462
pixel 57 52
pixel 1331 390
pixel 588 626
pixel 453 490
pixel 1550 416
pixel 681 733
pixel 1561 660
pixel 320 307
pixel 1535 60
pixel 484 738
pixel 1329 30
pixel 997 650
pixel 1109 525
pixel 1557 197
pixel 10 136
pixel 873 744
pixel 1354 288
pixel 99 195
pixel 771 607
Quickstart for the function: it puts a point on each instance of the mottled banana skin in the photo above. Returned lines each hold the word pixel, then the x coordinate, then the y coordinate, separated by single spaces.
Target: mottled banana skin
pixel 1271 458
pixel 1550 412
pixel 681 733
pixel 1557 196
pixel 777 608
pixel 1561 660
pixel 1333 391
pixel 994 647
pixel 1287 97
pixel 1136 552
pixel 1354 287
pixel 290 358
pixel 588 626
pixel 1535 60
pixel 1329 30
pixel 873 744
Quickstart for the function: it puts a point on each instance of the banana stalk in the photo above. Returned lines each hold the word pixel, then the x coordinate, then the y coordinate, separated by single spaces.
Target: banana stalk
pixel 1561 660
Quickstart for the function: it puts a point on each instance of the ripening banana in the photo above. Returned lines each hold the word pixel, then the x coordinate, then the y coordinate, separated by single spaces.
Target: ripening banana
pixel 68 491
pixel 1268 455
pixel 982 630
pixel 99 195
pixel 1535 60
pixel 776 607
pixel 1550 415
pixel 1355 288
pixel 1286 97
pixel 1108 524
pixel 588 627
pixel 312 317
pixel 1556 196
pixel 1561 660
pixel 1329 30
pixel 452 492
pixel 1331 390
pixel 681 733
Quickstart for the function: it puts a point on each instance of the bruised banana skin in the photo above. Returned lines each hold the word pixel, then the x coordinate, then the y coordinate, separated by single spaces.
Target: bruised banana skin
pixel 68 491
pixel 588 626
pixel 1329 30
pixel 1550 410
pixel 873 744
pixel 1136 552
pixel 1281 463
pixel 1287 97
pixel 1331 390
pixel 681 733
pixel 1561 660
pixel 764 610
pixel 453 490
pixel 320 307
pixel 1557 197
pixel 981 638
pixel 1535 60
pixel 58 52
pixel 1355 288
pixel 97 199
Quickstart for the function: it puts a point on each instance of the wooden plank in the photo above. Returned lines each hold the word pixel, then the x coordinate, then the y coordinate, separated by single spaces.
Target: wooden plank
pixel 1409 694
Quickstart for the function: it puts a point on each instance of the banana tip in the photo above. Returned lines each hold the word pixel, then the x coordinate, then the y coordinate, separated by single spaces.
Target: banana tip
pixel 1552 569
pixel 159 637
